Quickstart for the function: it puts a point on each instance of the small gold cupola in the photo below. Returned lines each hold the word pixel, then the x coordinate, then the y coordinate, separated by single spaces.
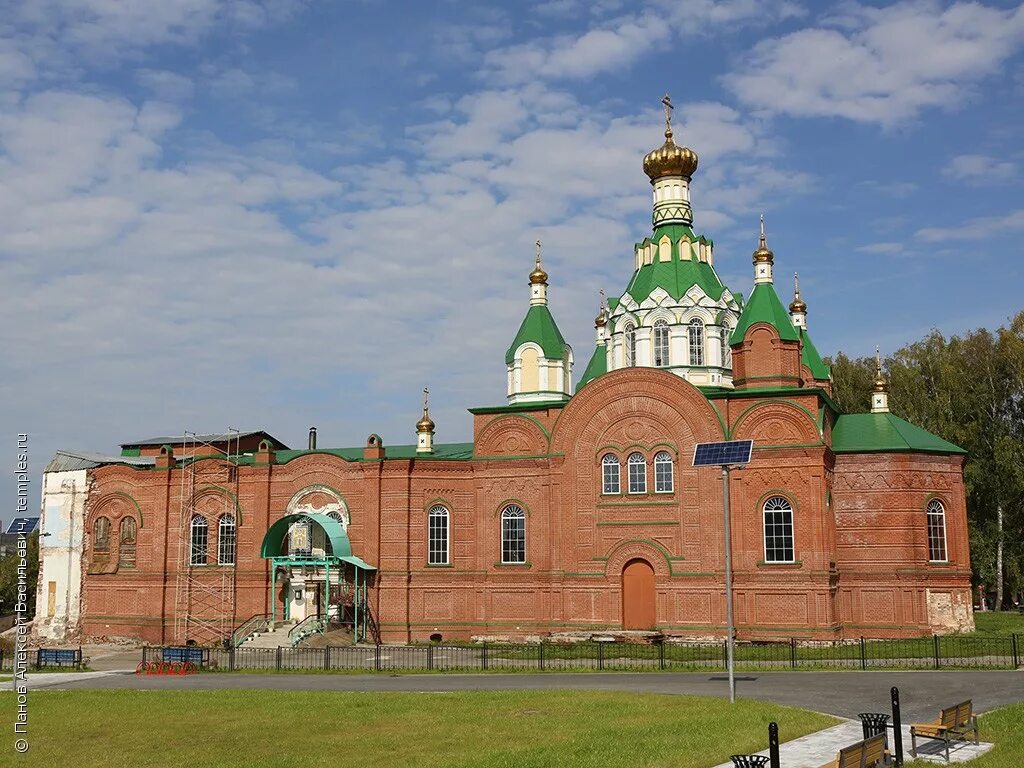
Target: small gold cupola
pixel 880 389
pixel 538 281
pixel 669 167
pixel 797 307
pixel 425 427
pixel 763 259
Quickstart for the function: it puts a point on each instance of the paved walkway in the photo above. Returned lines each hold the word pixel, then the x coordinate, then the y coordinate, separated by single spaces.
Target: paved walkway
pixel 817 749
pixel 922 694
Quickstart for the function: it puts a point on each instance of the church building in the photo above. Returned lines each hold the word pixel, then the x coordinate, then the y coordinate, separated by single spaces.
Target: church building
pixel 574 511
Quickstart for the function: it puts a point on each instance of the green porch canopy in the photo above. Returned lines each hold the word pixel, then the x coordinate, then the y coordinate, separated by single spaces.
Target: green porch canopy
pixel 275 541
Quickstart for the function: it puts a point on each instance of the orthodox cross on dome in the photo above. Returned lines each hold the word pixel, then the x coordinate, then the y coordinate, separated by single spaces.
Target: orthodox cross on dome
pixel 426 398
pixel 880 391
pixel 538 253
pixel 667 102
pixel 764 240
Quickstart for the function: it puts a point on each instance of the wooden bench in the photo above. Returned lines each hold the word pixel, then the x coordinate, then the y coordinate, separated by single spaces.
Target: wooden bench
pixel 953 724
pixel 864 754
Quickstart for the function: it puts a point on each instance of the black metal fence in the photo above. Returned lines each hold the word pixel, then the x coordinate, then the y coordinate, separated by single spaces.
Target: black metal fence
pixel 935 652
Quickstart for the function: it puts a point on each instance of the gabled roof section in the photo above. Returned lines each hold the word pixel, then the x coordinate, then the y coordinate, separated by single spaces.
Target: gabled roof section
pixel 677 275
pixel 810 357
pixel 598 365
pixel 885 432
pixel 539 327
pixel 66 461
pixel 218 437
pixel 764 306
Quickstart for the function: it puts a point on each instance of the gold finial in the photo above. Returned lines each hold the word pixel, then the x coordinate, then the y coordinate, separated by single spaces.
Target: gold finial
pixel 763 252
pixel 602 312
pixel 667 103
pixel 538 275
pixel 881 385
pixel 425 424
pixel 797 304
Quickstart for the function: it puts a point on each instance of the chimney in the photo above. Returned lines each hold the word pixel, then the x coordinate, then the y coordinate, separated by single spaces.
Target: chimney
pixel 312 438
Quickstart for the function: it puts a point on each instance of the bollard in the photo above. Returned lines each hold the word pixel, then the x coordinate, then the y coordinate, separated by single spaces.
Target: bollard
pixel 897 728
pixel 773 745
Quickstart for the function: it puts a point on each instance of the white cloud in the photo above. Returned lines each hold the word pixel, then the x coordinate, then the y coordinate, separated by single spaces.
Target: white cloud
pixel 165 85
pixel 880 65
pixel 980 169
pixel 976 229
pixel 890 248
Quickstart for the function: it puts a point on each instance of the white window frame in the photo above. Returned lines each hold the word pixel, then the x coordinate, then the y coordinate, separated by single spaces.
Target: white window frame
pixel 198 527
pixel 936 510
pixel 726 349
pixel 607 462
pixel 513 512
pixel 227 540
pixel 629 345
pixel 661 459
pixel 778 504
pixel 696 344
pixel 641 486
pixel 439 537
pixel 662 353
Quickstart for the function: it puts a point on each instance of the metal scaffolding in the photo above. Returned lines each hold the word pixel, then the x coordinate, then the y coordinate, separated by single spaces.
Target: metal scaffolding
pixel 204 588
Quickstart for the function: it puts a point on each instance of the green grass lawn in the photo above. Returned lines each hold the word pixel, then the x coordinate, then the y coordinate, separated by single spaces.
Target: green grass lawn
pixel 257 729
pixel 1002 727
pixel 998 623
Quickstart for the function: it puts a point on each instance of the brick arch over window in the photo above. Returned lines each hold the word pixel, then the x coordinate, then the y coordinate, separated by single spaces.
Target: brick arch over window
pixel 633 549
pixel 511 436
pixel 660 402
pixel 776 422
pixel 115 505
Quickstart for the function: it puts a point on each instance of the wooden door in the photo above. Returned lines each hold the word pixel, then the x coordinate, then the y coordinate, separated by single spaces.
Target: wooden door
pixel 638 596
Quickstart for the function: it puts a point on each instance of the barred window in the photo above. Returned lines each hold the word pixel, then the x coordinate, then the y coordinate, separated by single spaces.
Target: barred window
pixel 101 535
pixel 936 531
pixel 696 333
pixel 513 535
pixel 637 473
pixel 726 349
pixel 199 540
pixel 630 341
pixel 126 543
pixel 663 472
pixel 226 540
pixel 611 474
pixel 437 536
pixel 661 344
pixel 778 530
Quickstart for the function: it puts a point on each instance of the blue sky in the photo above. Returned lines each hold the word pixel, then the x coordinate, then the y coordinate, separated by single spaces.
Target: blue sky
pixel 272 214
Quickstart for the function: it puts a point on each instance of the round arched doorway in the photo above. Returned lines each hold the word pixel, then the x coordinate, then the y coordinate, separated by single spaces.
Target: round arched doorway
pixel 638 596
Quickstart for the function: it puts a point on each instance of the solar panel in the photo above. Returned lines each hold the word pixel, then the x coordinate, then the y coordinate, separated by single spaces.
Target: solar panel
pixel 22 525
pixel 722 454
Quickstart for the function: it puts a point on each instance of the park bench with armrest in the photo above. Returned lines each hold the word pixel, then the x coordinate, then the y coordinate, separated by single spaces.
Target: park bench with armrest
pixel 953 724
pixel 864 754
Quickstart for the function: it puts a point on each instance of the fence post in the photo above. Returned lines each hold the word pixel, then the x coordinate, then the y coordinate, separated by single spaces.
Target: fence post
pixel 661 654
pixel 39 658
pixel 277 659
pixel 327 657
pixel 430 657
pixel 1015 648
pixel 725 654
pixel 773 744
pixel 863 657
pixel 935 643
pixel 897 727
pixel 792 656
pixel 376 657
pixel 483 654
pixel 231 659
pixel 540 656
pixel 600 657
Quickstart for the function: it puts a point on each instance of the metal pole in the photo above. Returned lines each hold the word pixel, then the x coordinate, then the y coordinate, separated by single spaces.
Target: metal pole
pixel 273 589
pixel 730 656
pixel 355 605
pixel 897 726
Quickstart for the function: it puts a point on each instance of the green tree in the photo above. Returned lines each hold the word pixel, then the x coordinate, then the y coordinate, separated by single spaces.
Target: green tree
pixel 9 577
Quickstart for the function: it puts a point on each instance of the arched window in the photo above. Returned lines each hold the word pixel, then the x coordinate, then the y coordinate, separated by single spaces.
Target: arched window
pixel 726 349
pixel 437 536
pixel 513 535
pixel 199 540
pixel 611 474
pixel 936 531
pixel 630 342
pixel 778 530
pixel 637 473
pixel 663 472
pixel 226 539
pixel 101 535
pixel 661 358
pixel 696 333
pixel 126 543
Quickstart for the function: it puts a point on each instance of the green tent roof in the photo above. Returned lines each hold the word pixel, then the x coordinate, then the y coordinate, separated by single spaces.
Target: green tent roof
pixel 540 328
pixel 598 365
pixel 812 359
pixel 676 276
pixel 764 306
pixel 871 432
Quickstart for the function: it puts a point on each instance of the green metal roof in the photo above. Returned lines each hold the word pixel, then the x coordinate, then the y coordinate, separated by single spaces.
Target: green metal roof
pixel 872 432
pixel 764 306
pixel 598 365
pixel 340 547
pixel 540 328
pixel 678 275
pixel 454 451
pixel 812 359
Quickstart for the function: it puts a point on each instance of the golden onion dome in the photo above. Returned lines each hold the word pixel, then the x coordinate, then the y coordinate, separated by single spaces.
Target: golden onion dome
pixel 881 385
pixel 425 424
pixel 797 305
pixel 538 276
pixel 763 254
pixel 670 160
pixel 601 320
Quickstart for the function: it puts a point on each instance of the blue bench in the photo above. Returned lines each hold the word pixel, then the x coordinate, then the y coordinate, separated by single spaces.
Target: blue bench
pixel 58 657
pixel 182 654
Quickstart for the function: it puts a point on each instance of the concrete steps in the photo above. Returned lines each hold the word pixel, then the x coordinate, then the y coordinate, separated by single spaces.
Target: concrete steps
pixel 279 637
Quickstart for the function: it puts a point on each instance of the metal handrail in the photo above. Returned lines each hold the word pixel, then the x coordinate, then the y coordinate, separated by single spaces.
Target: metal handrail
pixel 308 626
pixel 249 627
